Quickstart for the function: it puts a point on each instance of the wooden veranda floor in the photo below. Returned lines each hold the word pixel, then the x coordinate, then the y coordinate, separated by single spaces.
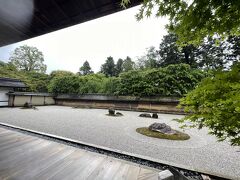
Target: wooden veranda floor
pixel 25 157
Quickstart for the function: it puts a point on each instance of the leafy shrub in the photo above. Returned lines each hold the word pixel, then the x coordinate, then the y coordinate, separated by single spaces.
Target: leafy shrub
pixel 215 104
pixel 173 80
pixel 131 83
pixel 59 73
pixel 75 84
pixel 64 84
pixel 92 83
pixel 36 82
pixel 111 85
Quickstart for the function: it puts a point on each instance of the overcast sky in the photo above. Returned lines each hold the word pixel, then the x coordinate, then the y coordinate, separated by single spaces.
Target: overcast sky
pixel 117 35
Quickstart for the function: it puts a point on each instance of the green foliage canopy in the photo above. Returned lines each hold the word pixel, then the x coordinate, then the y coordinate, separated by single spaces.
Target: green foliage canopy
pixel 85 69
pixel 149 60
pixel 74 84
pixel 28 59
pixel 36 82
pixel 213 53
pixel 174 80
pixel 108 68
pixel 59 73
pixel 119 67
pixel 128 64
pixel 194 20
pixel 215 104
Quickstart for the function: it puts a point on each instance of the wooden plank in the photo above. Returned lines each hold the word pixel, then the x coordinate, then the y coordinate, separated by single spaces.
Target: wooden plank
pixel 90 167
pixel 34 169
pixel 5 141
pixel 79 163
pixel 122 172
pixel 29 163
pixel 18 143
pixel 147 174
pixel 4 131
pixel 8 136
pixel 107 170
pixel 59 166
pixel 23 160
pixel 14 153
pixel 15 144
pixel 28 157
pixel 133 172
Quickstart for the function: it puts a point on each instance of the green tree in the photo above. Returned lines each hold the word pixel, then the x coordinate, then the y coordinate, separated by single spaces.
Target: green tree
pixel 215 104
pixel 108 68
pixel 36 82
pixel 194 20
pixel 64 84
pixel 111 86
pixel 73 84
pixel 128 64
pixel 28 58
pixel 92 83
pixel 2 63
pixel 119 66
pixel 169 51
pixel 59 73
pixel 173 80
pixel 149 60
pixel 213 53
pixel 131 83
pixel 233 43
pixel 85 69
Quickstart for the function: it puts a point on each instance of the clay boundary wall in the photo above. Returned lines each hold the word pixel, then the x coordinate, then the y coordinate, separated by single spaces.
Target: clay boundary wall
pixel 144 104
pixel 18 99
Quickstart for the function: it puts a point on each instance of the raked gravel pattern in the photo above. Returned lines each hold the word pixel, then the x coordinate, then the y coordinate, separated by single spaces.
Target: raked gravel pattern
pixel 201 152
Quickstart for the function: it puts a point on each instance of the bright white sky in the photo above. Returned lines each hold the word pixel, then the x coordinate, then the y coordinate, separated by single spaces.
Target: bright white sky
pixel 117 35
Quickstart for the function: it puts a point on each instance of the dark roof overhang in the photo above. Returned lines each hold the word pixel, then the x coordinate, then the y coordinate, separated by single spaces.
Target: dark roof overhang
pixel 14 83
pixel 21 20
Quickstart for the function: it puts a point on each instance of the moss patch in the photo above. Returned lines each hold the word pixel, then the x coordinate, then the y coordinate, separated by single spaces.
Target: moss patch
pixel 114 115
pixel 178 136
pixel 34 108
pixel 82 107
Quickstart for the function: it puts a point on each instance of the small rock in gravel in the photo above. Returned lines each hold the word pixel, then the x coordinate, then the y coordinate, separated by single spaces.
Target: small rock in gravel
pixel 145 115
pixel 119 114
pixel 27 105
pixel 111 111
pixel 155 116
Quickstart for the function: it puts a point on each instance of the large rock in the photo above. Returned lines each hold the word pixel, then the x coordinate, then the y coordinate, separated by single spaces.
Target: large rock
pixel 155 115
pixel 28 105
pixel 111 111
pixel 161 127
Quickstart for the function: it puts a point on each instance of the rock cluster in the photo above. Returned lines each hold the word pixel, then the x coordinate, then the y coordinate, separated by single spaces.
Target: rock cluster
pixel 28 105
pixel 145 115
pixel 154 115
pixel 111 112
